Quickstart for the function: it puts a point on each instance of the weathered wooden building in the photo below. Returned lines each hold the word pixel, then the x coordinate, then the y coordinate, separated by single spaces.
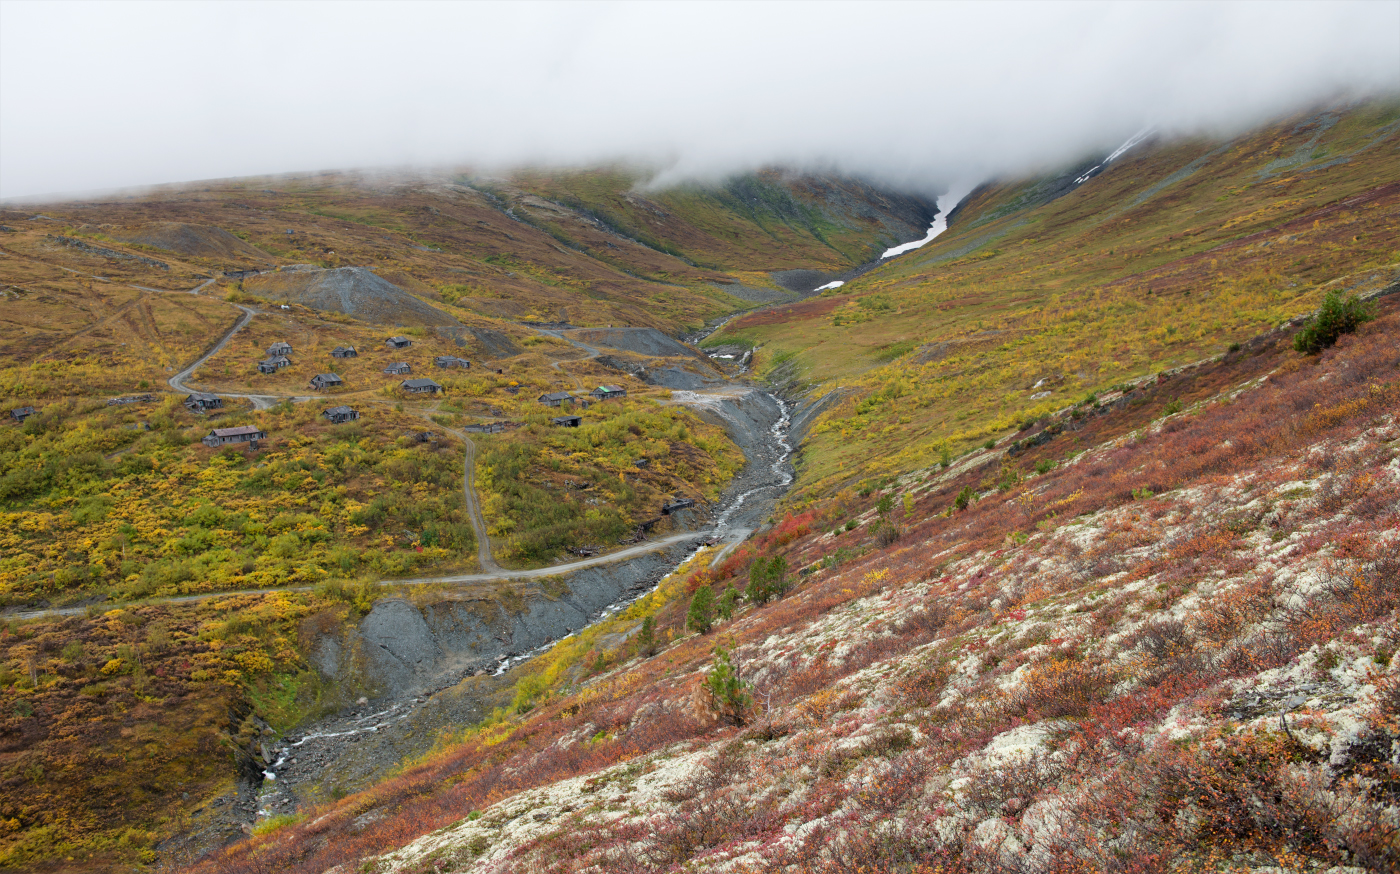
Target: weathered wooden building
pixel 446 361
pixel 341 414
pixel 279 348
pixel 556 399
pixel 203 402
pixel 608 392
pixel 323 381
pixel 274 364
pixel 399 368
pixel 420 386
pixel 344 352
pixel 398 342
pixel 234 436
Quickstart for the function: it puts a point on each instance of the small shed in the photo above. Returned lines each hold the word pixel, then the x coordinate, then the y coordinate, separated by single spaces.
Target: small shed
pixel 607 392
pixel 341 414
pixel 344 352
pixel 486 428
pixel 556 399
pixel 279 348
pixel 203 402
pixel 420 386
pixel 19 414
pixel 323 381
pixel 399 368
pixel 274 364
pixel 566 421
pixel 398 342
pixel 226 436
pixel 446 361
pixel 677 504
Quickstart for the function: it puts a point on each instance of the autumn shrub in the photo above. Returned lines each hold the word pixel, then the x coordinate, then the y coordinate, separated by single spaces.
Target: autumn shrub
pixel 767 579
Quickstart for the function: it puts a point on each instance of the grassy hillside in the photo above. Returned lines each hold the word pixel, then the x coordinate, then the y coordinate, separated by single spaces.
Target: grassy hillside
pixel 1173 254
pixel 1173 652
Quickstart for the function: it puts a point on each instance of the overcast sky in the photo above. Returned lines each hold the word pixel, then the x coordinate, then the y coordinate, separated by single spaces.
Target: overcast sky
pixel 113 94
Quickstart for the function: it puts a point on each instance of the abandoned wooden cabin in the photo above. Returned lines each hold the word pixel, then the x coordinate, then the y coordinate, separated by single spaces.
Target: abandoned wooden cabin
pixel 486 427
pixel 274 364
pixel 398 342
pixel 341 414
pixel 279 348
pixel 399 368
pixel 607 392
pixel 227 436
pixel 323 381
pixel 566 421
pixel 556 399
pixel 131 399
pixel 677 504
pixel 420 386
pixel 513 389
pixel 446 361
pixel 344 352
pixel 19 414
pixel 203 402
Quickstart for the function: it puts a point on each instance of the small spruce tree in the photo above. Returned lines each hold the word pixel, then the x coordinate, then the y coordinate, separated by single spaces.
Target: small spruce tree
pixel 702 610
pixel 727 691
pixel 1336 316
pixel 727 601
pixel 646 638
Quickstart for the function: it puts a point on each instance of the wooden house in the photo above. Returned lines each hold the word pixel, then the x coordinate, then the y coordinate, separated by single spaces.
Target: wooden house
pixel 19 414
pixel 486 428
pixel 677 504
pixel 399 368
pixel 398 342
pixel 344 352
pixel 556 399
pixel 279 348
pixel 420 386
pixel 274 364
pixel 341 414
pixel 227 436
pixel 446 361
pixel 607 392
pixel 323 381
pixel 203 402
pixel 566 421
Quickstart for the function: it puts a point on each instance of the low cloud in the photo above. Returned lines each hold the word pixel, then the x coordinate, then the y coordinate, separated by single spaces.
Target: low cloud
pixel 100 96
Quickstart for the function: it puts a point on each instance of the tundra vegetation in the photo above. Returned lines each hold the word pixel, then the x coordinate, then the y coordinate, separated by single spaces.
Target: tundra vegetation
pixel 1145 622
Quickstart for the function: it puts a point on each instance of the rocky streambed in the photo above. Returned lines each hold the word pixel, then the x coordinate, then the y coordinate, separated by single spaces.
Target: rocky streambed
pixel 418 666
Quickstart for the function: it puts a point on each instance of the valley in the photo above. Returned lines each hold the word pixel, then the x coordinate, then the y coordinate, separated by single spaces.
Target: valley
pixel 719 542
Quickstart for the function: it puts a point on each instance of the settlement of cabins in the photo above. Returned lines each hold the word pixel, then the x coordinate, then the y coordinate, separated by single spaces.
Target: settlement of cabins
pixel 323 381
pixel 398 342
pixel 446 361
pixel 202 402
pixel 242 434
pixel 420 386
pixel 399 368
pixel 341 414
pixel 274 364
pixel 279 348
pixel 555 399
pixel 344 352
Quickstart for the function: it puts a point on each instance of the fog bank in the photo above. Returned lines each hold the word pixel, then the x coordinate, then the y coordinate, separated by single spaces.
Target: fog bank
pixel 98 96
